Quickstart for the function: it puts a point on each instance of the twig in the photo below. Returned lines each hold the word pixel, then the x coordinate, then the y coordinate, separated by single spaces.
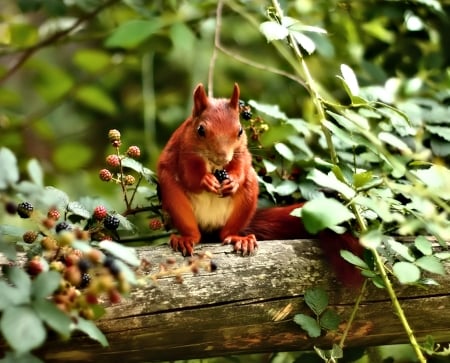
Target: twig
pixel 51 39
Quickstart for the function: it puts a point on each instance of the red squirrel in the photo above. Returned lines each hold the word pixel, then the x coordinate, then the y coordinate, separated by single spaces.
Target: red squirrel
pixel 210 140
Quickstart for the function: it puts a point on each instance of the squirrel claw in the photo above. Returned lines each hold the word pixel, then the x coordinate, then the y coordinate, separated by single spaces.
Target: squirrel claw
pixel 246 245
pixel 183 244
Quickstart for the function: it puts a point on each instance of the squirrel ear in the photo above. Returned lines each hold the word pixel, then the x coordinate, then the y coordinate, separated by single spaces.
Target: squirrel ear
pixel 234 100
pixel 201 101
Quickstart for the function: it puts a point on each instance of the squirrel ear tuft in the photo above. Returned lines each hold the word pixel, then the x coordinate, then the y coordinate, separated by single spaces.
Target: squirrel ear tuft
pixel 201 101
pixel 234 100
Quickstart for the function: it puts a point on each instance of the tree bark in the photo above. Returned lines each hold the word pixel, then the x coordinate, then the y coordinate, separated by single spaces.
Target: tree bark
pixel 247 306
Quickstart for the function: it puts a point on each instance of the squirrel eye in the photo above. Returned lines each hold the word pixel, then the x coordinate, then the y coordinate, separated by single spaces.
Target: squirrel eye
pixel 240 131
pixel 201 131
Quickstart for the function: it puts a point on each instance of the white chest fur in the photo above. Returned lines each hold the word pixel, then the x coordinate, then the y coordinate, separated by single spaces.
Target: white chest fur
pixel 210 210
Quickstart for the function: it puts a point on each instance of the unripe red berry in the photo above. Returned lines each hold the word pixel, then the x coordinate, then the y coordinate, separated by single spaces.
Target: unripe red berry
pixel 100 212
pixel 134 151
pixel 105 175
pixel 53 214
pixel 35 266
pixel 73 275
pixel 155 224
pixel 114 296
pixel 113 160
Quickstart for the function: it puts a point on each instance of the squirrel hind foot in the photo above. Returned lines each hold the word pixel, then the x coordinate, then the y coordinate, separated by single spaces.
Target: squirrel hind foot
pixel 245 245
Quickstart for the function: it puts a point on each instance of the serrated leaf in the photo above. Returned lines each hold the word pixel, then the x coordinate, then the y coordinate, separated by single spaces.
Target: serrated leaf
pixel 330 181
pixel 45 284
pixel 132 33
pixel 22 328
pixel 273 30
pixel 53 317
pixel 400 249
pixel 442 255
pixel 436 180
pixel 91 330
pixel 362 178
pixel 354 260
pixel 306 42
pixel 126 254
pixel 35 172
pixel 138 167
pixel 431 264
pixel 322 213
pixel 284 151
pixel 78 209
pixel 317 300
pixel 308 324
pixel 329 320
pixel 9 171
pixel 423 245
pixel 394 141
pixel 406 272
pixel 442 131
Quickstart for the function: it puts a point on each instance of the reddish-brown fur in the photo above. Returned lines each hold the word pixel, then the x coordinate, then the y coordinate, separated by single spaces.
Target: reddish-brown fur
pixel 212 138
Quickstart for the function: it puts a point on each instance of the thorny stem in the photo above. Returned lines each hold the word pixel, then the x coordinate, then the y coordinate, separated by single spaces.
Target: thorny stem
pixel 122 182
pixel 378 260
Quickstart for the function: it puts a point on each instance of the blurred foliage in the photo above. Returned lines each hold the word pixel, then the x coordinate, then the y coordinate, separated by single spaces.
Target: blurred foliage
pixel 72 70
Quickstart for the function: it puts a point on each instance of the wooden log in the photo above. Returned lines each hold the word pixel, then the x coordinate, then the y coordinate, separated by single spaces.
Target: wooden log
pixel 247 306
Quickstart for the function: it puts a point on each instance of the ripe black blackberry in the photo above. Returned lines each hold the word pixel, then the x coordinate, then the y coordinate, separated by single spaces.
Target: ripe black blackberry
pixel 221 175
pixel 25 209
pixel 111 264
pixel 11 208
pixel 63 226
pixel 246 114
pixel 85 280
pixel 84 265
pixel 111 222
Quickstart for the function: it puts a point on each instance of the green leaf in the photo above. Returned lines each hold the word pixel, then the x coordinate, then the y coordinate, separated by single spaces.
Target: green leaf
pixel 19 278
pixel 406 272
pixel 317 300
pixel 330 181
pixel 394 141
pixel 78 209
pixel 138 167
pixel 9 171
pixel 308 324
pixel 400 249
pixel 273 30
pixel 22 328
pixel 287 187
pixel 90 329
pixel 14 357
pixel 431 264
pixel 53 317
pixel 354 260
pixel 349 78
pixel 423 245
pixel 126 254
pixel 97 99
pixel 371 239
pixel 35 172
pixel 284 151
pixel 362 178
pixel 132 33
pixel 45 284
pixel 91 60
pixel 436 180
pixel 322 213
pixel 270 110
pixel 329 320
pixel 441 131
pixel 72 156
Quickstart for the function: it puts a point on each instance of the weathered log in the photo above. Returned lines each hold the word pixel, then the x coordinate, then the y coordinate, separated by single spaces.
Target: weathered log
pixel 247 306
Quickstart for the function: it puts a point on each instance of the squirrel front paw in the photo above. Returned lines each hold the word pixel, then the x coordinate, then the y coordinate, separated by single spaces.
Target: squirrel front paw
pixel 246 245
pixel 210 183
pixel 183 244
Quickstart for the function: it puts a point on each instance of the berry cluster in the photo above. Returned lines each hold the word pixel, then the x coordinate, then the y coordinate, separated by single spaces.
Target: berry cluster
pixel 88 276
pixel 256 125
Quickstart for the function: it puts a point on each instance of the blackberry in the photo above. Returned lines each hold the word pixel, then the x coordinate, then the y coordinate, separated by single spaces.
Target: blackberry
pixel 85 280
pixel 25 209
pixel 113 161
pixel 221 175
pixel 134 151
pixel 105 175
pixel 11 208
pixel 241 103
pixel 100 212
pixel 246 115
pixel 63 226
pixel 111 222
pixel 30 236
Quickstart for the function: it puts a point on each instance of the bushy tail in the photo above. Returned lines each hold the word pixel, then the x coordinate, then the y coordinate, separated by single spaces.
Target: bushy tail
pixel 278 223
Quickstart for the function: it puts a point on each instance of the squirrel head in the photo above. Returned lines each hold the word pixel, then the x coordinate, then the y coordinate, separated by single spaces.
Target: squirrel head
pixel 216 127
